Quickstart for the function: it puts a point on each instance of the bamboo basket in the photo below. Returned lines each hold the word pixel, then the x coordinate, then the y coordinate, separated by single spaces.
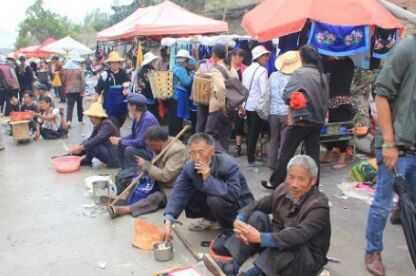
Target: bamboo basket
pixel 201 89
pixel 161 83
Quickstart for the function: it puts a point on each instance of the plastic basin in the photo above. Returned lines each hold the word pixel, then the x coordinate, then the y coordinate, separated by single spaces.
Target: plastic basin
pixel 67 164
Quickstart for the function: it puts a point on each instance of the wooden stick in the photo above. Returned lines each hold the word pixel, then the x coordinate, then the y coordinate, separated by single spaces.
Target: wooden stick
pixel 186 244
pixel 137 179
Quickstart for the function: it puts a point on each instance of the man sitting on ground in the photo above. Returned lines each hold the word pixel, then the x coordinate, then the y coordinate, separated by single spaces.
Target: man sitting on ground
pixel 98 144
pixel 50 120
pixel 133 144
pixel 164 171
pixel 211 186
pixel 295 242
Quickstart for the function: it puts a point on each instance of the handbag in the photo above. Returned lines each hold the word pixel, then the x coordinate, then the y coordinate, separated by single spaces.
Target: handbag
pixel 263 105
pixel 145 188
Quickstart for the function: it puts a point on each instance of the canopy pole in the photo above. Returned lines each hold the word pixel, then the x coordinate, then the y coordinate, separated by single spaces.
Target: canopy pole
pixel 398 11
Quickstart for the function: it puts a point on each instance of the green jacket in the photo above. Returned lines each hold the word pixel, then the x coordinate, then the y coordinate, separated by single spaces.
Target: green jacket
pixel 397 82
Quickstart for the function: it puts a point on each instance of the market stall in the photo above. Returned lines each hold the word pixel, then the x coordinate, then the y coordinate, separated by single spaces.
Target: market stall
pixel 36 51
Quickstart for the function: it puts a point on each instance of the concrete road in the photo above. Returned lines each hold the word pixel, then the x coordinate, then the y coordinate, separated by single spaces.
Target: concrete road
pixel 44 231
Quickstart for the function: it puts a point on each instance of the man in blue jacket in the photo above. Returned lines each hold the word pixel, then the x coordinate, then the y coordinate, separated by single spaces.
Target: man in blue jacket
pixel 211 186
pixel 133 144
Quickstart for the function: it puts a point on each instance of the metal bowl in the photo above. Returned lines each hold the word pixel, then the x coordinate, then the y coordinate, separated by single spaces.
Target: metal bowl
pixel 163 251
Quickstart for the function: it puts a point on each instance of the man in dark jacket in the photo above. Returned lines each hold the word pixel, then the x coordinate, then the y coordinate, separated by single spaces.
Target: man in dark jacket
pixel 211 186
pixel 312 83
pixel 133 145
pixel 25 76
pixel 295 242
pixel 98 144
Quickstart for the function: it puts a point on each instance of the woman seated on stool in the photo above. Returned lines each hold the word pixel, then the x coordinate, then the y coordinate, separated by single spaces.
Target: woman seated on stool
pixel 98 144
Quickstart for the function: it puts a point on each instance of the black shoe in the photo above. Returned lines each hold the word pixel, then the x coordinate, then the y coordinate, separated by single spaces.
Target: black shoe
pixel 85 163
pixel 395 217
pixel 219 268
pixel 267 185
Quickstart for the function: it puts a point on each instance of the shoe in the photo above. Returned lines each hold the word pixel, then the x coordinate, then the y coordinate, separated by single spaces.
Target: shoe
pixel 69 124
pixel 2 147
pixel 267 185
pixel 204 224
pixel 85 163
pixel 254 164
pixel 218 268
pixel 374 264
pixel 395 217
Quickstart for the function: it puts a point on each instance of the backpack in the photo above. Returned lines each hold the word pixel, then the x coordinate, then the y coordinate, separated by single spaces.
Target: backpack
pixel 237 93
pixel 10 78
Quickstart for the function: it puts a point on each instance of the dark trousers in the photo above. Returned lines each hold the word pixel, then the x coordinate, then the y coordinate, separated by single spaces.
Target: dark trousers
pixel 72 99
pixel 255 126
pixel 238 125
pixel 49 134
pixel 201 117
pixel 220 127
pixel 149 204
pixel 118 121
pixel 212 208
pixel 5 97
pixel 103 153
pixel 59 92
pixel 343 113
pixel 278 128
pixel 175 123
pixel 294 136
pixel 272 261
pixel 127 155
pixel 154 109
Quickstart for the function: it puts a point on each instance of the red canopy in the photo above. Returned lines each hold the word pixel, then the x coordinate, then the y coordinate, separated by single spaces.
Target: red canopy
pixel 35 51
pixel 165 19
pixel 275 18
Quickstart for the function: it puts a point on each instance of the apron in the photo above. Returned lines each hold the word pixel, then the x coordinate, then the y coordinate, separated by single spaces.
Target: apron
pixel 114 103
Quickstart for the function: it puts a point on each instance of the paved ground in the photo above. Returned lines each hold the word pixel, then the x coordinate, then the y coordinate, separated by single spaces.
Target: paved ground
pixel 43 230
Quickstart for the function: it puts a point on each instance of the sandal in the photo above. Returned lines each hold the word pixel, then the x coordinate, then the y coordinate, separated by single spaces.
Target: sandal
pixel 111 211
pixel 339 166
pixel 237 152
pixel 267 185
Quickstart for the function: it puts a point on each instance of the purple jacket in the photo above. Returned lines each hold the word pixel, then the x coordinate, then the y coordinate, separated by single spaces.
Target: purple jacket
pixel 136 139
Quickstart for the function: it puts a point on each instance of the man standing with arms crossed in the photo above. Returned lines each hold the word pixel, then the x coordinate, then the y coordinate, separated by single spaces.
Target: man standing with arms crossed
pixel 395 99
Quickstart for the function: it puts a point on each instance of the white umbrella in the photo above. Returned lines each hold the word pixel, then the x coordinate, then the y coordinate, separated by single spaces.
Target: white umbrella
pixel 66 45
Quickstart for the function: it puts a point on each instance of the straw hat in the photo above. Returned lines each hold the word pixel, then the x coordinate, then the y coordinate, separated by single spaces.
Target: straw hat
pixel 114 57
pixel 258 51
pixel 149 58
pixel 288 62
pixel 96 110
pixel 184 54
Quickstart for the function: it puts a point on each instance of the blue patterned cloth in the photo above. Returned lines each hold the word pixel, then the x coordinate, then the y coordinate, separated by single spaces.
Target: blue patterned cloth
pixel 278 82
pixel 339 40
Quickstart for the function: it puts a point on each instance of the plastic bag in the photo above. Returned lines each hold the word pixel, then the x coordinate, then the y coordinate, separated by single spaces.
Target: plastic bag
pixel 146 234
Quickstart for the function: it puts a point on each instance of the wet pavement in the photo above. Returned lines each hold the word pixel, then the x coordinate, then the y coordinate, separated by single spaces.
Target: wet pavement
pixel 45 230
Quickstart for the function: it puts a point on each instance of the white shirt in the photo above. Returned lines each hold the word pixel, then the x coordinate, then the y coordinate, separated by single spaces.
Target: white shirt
pixel 278 83
pixel 56 123
pixel 255 76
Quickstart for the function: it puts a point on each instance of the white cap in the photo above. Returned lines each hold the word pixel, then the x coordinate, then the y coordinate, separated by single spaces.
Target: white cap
pixel 258 51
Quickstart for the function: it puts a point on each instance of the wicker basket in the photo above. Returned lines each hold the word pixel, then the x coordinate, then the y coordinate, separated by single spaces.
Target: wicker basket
pixel 201 89
pixel 162 84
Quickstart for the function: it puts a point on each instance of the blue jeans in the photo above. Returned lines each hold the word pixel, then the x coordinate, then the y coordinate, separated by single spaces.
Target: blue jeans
pixel 383 200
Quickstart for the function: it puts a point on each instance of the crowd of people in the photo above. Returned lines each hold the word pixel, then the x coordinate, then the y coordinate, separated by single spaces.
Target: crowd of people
pixel 290 105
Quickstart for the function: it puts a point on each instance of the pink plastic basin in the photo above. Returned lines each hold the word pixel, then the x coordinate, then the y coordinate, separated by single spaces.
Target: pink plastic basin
pixel 67 164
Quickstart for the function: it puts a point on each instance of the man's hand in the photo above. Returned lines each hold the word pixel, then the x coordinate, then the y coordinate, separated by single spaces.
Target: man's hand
pixel 140 161
pixel 115 140
pixel 204 169
pixel 76 149
pixel 14 101
pixel 167 231
pixel 241 112
pixel 390 157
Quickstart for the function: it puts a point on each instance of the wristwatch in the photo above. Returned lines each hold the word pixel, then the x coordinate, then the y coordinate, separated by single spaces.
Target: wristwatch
pixel 388 146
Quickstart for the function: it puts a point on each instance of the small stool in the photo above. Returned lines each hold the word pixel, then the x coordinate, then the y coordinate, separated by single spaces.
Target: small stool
pixel 20 130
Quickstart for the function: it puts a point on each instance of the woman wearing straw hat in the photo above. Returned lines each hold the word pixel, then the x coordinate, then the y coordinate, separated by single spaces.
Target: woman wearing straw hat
pixel 98 144
pixel 286 64
pixel 112 86
pixel 149 64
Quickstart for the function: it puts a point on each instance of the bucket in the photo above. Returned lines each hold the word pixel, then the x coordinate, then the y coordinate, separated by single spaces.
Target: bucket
pixel 101 191
pixel 163 251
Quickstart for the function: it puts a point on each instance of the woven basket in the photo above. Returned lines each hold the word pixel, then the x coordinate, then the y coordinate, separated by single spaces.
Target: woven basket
pixel 201 89
pixel 161 83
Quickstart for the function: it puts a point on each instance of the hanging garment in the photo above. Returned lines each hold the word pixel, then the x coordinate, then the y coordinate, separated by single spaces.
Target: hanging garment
pixel 339 40
pixel 383 41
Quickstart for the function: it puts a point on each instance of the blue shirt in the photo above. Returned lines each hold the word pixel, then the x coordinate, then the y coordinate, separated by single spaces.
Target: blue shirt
pixel 278 82
pixel 136 139
pixel 181 78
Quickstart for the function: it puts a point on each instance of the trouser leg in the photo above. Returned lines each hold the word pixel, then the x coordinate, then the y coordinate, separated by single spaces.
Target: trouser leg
pixel 274 143
pixel 128 155
pixel 104 154
pixel 223 211
pixel 313 147
pixel 201 117
pixel 255 124
pixel 175 123
pixel 220 127
pixel 241 251
pixel 294 136
pixel 80 109
pixel 70 106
